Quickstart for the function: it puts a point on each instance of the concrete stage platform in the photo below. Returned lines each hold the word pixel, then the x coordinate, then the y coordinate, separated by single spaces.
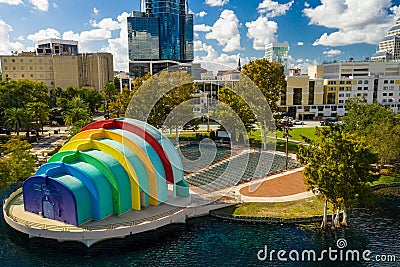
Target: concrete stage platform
pixel 132 222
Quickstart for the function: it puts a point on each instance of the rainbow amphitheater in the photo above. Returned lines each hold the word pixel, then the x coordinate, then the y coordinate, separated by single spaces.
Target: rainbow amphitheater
pixel 120 177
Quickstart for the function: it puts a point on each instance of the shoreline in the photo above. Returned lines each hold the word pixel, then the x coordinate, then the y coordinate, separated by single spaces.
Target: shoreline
pixel 282 220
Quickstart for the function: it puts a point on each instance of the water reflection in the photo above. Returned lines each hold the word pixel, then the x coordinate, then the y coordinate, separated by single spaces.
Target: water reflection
pixel 212 242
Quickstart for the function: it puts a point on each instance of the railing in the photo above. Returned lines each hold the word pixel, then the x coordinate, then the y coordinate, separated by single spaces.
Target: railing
pixel 68 228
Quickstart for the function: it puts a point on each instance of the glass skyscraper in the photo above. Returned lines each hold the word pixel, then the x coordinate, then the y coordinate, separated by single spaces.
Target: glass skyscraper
pixel 161 34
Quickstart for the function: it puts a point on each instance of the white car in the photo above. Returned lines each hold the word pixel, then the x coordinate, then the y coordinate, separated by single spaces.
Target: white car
pixel 297 122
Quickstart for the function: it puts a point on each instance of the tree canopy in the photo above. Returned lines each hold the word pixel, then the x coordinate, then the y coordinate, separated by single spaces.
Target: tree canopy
pixel 375 126
pixel 338 166
pixel 17 163
pixel 269 77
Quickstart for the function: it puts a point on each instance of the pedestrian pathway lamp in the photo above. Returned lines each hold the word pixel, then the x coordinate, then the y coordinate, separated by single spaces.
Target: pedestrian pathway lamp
pixel 286 123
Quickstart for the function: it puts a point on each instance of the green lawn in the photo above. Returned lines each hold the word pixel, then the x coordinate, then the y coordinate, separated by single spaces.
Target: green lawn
pixel 296 133
pixel 385 179
pixel 304 208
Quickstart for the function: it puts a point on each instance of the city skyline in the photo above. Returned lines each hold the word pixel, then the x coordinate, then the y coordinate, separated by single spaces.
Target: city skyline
pixel 316 32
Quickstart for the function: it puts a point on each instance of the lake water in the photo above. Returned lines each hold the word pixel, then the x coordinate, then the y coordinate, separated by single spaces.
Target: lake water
pixel 209 241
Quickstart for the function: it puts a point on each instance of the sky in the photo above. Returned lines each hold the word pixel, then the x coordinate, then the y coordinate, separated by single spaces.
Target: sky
pixel 317 31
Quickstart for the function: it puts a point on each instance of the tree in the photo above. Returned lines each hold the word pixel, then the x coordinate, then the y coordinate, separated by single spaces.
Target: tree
pixel 18 163
pixel 269 77
pixel 375 126
pixel 339 167
pixel 158 96
pixel 39 112
pixel 117 106
pixel 238 105
pixel 17 118
pixel 109 92
pixel 91 97
pixel 74 115
pixel 78 126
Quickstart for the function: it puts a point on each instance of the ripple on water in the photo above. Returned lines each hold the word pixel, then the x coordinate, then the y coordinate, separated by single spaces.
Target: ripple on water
pixel 208 242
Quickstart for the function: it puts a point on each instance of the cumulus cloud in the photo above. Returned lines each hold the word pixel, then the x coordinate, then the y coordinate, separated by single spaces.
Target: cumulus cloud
pixel 202 28
pixel 301 63
pixel 360 21
pixel 96 11
pixel 332 52
pixel 300 43
pixel 107 23
pixel 217 2
pixel 214 61
pixel 6 46
pixel 44 34
pixel 42 5
pixel 273 9
pixel 12 2
pixel 262 31
pixel 119 46
pixel 201 14
pixel 226 31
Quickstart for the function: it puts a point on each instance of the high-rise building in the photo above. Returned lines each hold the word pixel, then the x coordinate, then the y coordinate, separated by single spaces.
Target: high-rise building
pixel 277 52
pixel 159 36
pixel 389 47
pixel 57 63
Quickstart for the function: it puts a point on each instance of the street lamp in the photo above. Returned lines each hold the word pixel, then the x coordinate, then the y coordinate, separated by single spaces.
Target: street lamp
pixel 286 122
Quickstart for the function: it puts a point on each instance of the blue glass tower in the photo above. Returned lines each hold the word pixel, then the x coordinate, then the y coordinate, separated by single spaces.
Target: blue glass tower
pixel 159 36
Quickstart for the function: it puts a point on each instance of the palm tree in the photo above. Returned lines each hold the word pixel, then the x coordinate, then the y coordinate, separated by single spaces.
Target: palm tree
pixel 109 92
pixel 17 118
pixel 39 111
pixel 73 115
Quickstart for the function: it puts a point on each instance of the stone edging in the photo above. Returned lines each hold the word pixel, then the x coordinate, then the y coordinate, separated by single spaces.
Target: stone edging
pixel 273 220
pixel 269 220
pixel 380 186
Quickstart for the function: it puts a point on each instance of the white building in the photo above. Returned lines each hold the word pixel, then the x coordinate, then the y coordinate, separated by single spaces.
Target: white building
pixel 277 52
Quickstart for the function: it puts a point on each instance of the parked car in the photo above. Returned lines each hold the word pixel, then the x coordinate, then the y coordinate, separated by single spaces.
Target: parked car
pixel 188 127
pixel 297 122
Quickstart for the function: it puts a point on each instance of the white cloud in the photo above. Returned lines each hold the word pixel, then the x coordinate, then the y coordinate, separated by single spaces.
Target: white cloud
pixel 107 23
pixel 261 31
pixel 44 34
pixel 96 11
pixel 6 46
pixel 306 4
pixel 273 9
pixel 226 31
pixel 300 43
pixel 119 46
pixel 332 52
pixel 42 5
pixel 301 63
pixel 202 28
pixel 356 21
pixel 214 61
pixel 95 35
pixel 216 2
pixel 12 2
pixel 201 14
pixel 55 5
